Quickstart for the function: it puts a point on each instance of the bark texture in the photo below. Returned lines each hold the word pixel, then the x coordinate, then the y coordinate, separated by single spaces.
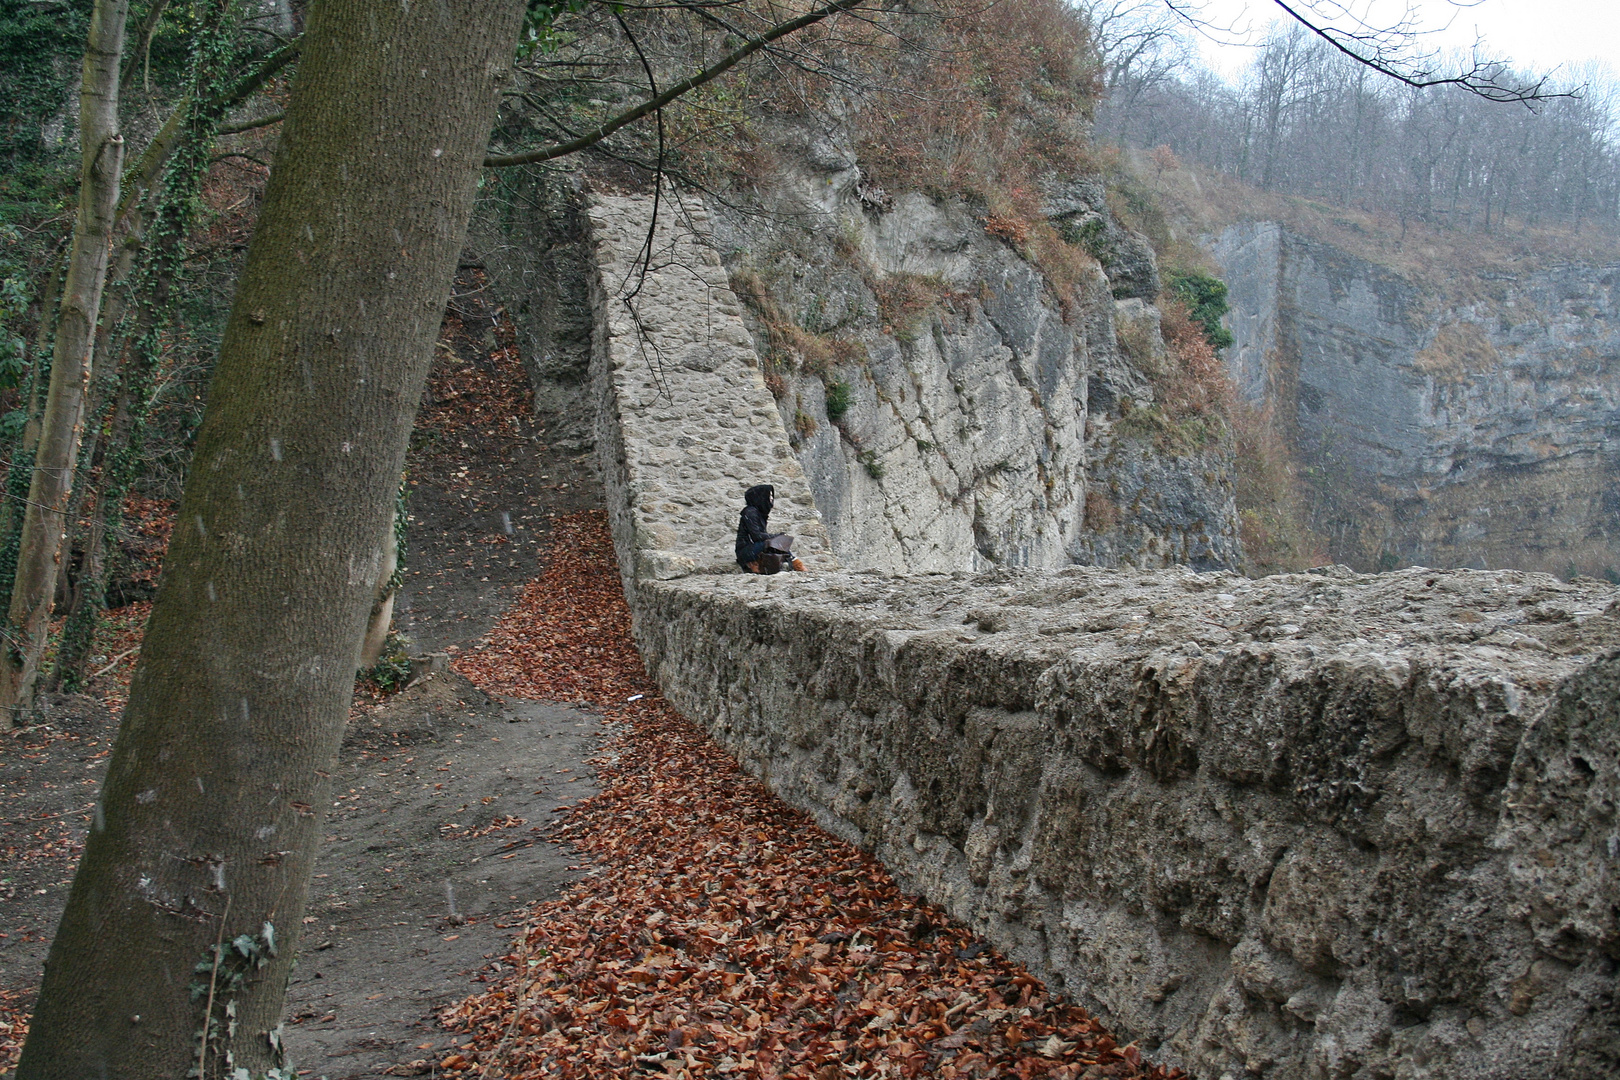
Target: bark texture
pixel 207 824
pixel 45 518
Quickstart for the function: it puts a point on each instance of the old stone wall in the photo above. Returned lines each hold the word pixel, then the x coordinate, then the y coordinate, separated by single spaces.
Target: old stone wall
pixel 1437 431
pixel 685 424
pixel 1308 826
pixel 1321 825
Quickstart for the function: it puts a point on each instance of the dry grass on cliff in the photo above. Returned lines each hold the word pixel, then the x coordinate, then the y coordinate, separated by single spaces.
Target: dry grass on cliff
pixel 956 99
pixel 991 102
pixel 1196 408
pixel 790 349
pixel 1273 520
pixel 1192 396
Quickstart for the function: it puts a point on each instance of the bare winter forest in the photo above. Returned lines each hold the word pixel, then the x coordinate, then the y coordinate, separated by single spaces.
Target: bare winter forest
pixel 1307 120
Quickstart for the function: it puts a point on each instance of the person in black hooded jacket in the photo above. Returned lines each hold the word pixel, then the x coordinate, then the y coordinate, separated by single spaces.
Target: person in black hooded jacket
pixel 760 551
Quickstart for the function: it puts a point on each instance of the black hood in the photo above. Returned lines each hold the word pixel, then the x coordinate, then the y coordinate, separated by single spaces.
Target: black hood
pixel 760 497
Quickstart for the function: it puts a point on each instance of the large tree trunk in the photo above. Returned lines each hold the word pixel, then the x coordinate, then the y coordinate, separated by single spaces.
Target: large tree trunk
pixel 45 518
pixel 206 828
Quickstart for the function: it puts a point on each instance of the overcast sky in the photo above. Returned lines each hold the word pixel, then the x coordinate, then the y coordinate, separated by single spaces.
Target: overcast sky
pixel 1533 34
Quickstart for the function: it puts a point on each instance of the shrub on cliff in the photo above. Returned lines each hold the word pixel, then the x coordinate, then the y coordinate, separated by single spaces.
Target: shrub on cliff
pixel 1205 297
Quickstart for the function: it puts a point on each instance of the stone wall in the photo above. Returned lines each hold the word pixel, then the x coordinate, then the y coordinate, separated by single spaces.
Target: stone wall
pixel 1307 826
pixel 1324 825
pixel 1477 430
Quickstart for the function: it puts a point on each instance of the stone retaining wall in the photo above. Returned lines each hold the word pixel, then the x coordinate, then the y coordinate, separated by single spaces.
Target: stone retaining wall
pixel 1343 851
pixel 685 424
pixel 1320 825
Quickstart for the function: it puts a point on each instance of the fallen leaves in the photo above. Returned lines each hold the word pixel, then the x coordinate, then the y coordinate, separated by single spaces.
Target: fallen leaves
pixel 720 932
pixel 14 1012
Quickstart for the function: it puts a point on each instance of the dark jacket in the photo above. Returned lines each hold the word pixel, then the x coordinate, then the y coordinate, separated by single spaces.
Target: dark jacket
pixel 753 528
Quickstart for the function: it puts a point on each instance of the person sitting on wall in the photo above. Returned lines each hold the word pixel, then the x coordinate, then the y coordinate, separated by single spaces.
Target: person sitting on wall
pixel 760 551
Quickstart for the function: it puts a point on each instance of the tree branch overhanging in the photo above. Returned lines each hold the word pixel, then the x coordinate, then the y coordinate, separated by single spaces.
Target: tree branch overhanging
pixel 653 104
pixel 1387 51
pixel 1482 79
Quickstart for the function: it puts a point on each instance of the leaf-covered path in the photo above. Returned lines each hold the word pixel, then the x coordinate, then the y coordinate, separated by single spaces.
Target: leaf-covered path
pixel 719 931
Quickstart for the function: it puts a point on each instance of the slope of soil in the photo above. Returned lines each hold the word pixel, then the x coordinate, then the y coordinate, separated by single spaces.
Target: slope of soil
pixel 438 838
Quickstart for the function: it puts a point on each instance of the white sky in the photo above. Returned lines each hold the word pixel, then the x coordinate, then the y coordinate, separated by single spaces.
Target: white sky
pixel 1533 34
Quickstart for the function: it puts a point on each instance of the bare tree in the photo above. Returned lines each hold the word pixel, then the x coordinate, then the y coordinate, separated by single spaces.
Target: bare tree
pixel 1396 49
pixel 1140 46
pixel 1306 119
pixel 44 521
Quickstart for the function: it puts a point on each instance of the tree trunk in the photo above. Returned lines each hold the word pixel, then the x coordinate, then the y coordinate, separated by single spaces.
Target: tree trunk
pixel 206 827
pixel 45 518
pixel 152 285
pixel 20 470
pixel 381 619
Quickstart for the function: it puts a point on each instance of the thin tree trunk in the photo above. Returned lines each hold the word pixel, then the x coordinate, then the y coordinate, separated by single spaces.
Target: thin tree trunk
pixel 21 466
pixel 381 619
pixel 139 56
pixel 120 464
pixel 44 519
pixel 160 267
pixel 207 826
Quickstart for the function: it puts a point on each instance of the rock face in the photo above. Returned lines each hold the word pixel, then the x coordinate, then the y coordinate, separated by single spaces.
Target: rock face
pixel 1484 434
pixel 982 400
pixel 535 248
pixel 1325 826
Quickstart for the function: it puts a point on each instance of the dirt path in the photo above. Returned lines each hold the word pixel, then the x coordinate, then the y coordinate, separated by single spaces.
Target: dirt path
pixel 384 951
pixel 439 838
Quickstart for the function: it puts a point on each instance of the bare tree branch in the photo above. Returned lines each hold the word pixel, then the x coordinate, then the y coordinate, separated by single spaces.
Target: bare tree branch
pixel 1390 51
pixel 1484 78
pixel 249 125
pixel 714 71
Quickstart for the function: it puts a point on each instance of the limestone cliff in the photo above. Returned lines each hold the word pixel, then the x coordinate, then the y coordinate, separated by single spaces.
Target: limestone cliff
pixel 1479 433
pixel 974 403
pixel 980 425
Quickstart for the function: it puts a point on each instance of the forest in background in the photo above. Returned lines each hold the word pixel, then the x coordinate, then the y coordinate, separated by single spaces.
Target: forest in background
pixel 1305 120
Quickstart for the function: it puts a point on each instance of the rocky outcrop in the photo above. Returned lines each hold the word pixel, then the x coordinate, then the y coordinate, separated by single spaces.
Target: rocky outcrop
pixel 1477 434
pixel 1325 826
pixel 1078 206
pixel 970 438
pixel 532 241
